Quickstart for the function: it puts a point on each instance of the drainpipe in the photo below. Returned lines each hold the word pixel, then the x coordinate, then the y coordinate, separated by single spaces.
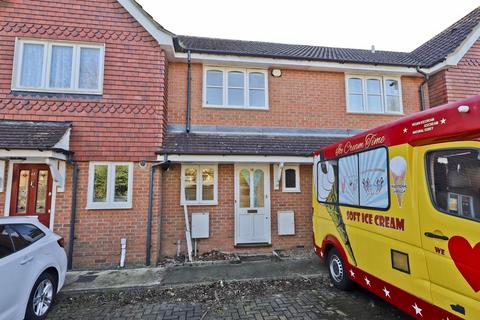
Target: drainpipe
pixel 164 165
pixel 189 89
pixel 73 213
pixel 421 91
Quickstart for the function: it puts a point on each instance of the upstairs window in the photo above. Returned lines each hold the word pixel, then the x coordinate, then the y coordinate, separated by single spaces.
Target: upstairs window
pixel 63 67
pixel 235 88
pixel 368 94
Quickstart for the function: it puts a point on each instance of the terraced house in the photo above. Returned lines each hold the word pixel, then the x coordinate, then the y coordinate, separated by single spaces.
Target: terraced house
pixel 113 127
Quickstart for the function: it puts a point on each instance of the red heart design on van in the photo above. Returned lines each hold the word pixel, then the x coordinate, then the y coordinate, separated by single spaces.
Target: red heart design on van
pixel 467 260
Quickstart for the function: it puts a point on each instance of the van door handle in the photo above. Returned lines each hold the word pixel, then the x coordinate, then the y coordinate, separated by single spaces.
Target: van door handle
pixel 26 260
pixel 435 236
pixel 458 308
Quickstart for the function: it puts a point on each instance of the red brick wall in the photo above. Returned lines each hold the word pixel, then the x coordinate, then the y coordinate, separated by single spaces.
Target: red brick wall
pixel 126 123
pixel 463 80
pixel 437 86
pixel 301 99
pixel 98 232
pixel 458 82
pixel 222 227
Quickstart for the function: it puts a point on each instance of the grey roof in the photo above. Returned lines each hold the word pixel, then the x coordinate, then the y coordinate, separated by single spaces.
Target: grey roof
pixel 213 144
pixel 439 47
pixel 432 52
pixel 291 51
pixel 31 135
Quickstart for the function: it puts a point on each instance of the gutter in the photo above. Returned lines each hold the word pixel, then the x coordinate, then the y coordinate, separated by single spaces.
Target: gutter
pixel 73 213
pixel 165 164
pixel 421 91
pixel 189 89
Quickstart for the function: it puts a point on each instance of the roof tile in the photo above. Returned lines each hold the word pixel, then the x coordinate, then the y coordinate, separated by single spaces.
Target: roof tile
pixel 427 55
pixel 31 135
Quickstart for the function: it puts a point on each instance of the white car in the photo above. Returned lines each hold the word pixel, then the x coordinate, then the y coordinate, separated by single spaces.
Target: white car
pixel 33 264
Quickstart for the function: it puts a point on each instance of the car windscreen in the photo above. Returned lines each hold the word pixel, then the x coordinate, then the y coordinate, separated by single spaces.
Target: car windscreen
pixel 24 235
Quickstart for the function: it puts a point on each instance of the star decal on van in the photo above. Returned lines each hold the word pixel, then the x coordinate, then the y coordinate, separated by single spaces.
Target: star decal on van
pixel 387 293
pixel 418 310
pixel 352 273
pixel 367 281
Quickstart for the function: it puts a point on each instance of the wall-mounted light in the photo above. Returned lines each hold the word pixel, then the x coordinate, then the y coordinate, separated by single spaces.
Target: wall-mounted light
pixel 276 73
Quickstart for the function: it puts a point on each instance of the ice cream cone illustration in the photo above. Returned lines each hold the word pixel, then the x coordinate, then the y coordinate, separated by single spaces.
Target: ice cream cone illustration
pixel 326 192
pixel 398 170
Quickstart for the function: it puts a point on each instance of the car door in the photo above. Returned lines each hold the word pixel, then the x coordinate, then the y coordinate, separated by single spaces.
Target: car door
pixel 8 274
pixel 16 273
pixel 449 208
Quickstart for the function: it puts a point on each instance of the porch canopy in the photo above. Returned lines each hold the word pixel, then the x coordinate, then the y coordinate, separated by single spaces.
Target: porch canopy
pixel 36 141
pixel 22 139
pixel 230 148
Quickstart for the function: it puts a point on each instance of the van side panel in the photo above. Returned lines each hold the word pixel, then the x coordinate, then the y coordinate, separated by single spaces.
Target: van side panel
pixel 454 282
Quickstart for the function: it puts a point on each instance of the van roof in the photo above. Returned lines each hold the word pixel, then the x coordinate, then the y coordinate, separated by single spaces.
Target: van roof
pixel 448 122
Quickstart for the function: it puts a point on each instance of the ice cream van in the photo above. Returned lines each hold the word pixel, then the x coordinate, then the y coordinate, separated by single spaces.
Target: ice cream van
pixel 397 211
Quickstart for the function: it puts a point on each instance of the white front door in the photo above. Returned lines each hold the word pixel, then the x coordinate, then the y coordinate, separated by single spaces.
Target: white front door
pixel 252 204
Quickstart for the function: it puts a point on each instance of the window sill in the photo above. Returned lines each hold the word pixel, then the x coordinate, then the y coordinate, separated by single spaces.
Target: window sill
pixel 108 207
pixel 236 107
pixel 212 203
pixel 377 113
pixel 59 91
pixel 291 190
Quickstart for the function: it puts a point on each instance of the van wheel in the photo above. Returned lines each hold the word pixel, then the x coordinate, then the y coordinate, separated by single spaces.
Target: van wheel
pixel 337 271
pixel 41 297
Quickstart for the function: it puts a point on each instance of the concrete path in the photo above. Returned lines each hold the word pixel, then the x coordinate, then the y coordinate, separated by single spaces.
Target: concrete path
pixel 190 274
pixel 243 271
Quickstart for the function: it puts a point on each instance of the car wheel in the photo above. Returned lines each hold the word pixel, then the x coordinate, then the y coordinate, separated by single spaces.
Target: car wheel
pixel 337 271
pixel 41 297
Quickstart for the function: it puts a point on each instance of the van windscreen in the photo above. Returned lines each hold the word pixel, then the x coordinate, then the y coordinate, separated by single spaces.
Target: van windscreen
pixel 454 179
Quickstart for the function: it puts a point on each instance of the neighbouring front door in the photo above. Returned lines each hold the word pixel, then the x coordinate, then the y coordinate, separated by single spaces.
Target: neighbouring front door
pixel 31 191
pixel 252 204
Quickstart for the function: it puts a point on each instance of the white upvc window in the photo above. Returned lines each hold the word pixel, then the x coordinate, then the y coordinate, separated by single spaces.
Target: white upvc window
pixel 291 178
pixel 110 185
pixel 199 184
pixel 58 67
pixel 235 88
pixel 373 94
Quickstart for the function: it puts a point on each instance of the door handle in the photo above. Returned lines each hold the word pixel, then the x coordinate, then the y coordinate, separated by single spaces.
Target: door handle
pixel 435 236
pixel 458 308
pixel 26 260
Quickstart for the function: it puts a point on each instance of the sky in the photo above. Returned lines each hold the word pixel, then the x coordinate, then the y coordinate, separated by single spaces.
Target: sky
pixel 400 25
